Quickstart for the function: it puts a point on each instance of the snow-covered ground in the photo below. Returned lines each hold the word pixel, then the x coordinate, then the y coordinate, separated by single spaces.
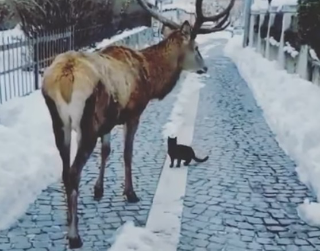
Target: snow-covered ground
pixel 290 105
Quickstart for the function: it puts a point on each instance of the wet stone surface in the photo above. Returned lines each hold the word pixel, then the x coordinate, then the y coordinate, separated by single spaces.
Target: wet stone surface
pixel 245 196
pixel 44 226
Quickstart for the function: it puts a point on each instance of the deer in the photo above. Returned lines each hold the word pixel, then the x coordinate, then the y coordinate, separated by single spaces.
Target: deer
pixel 92 92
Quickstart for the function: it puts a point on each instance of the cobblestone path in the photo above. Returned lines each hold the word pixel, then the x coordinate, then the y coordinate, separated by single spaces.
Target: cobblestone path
pixel 43 227
pixel 245 196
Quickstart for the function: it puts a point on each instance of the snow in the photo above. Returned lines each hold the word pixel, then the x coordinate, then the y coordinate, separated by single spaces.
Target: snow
pixel 189 8
pixel 290 105
pixel 283 2
pixel 313 54
pixel 119 37
pixel 10 36
pixel 259 5
pixel 310 212
pixel 129 238
pixel 289 49
pixel 273 42
pixel 263 4
pixel 29 160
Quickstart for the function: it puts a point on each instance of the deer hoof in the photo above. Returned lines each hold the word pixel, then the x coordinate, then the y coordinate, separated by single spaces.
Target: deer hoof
pixel 131 196
pixel 75 242
pixel 98 193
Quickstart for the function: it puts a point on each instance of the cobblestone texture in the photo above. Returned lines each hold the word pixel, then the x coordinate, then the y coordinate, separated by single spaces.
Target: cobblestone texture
pixel 43 227
pixel 245 196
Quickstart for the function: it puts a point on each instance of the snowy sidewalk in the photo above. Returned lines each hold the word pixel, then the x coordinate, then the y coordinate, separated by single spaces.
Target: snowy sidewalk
pixel 246 196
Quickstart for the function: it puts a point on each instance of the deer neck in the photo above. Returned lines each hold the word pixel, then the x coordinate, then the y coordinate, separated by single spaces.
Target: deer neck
pixel 163 64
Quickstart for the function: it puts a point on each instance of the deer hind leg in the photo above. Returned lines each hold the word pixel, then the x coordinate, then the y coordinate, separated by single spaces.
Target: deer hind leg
pixel 105 152
pixel 130 130
pixel 87 138
pixel 107 110
pixel 62 134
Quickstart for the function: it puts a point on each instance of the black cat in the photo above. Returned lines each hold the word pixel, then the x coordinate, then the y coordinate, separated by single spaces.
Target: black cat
pixel 181 152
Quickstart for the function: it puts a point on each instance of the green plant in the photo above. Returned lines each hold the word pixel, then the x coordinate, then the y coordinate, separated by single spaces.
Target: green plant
pixel 46 15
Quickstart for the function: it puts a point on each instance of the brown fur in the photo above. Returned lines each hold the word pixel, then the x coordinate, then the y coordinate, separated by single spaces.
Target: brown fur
pixel 149 73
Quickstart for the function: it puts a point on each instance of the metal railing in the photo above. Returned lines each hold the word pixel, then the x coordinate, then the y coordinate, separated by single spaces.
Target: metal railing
pixel 267 35
pixel 23 60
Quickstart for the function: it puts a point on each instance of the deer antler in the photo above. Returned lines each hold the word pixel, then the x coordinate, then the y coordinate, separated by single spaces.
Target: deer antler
pixel 166 21
pixel 200 18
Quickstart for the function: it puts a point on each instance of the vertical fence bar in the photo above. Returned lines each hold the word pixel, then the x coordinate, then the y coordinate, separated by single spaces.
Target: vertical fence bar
pixel 5 69
pixel 2 76
pixel 36 61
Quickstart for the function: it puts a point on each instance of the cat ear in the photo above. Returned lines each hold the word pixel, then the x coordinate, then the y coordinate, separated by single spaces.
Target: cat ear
pixel 175 138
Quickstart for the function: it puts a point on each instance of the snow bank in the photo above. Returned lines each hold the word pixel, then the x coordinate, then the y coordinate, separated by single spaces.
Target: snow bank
pixel 29 161
pixel 119 37
pixel 129 238
pixel 291 107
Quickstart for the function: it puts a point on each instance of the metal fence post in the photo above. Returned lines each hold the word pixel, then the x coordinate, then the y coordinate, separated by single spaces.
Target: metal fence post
pixel 247 8
pixel 36 62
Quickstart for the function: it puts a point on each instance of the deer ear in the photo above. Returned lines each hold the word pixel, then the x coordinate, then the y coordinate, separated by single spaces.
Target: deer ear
pixel 186 28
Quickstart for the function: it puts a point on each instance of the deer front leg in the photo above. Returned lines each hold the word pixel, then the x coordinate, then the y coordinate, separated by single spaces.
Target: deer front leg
pixel 105 152
pixel 130 130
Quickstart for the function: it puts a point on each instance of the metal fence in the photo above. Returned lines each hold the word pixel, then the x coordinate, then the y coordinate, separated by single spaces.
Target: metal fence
pixel 23 60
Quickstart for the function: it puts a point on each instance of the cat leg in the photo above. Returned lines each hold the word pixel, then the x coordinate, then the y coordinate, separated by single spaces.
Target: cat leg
pixel 172 161
pixel 179 163
pixel 187 162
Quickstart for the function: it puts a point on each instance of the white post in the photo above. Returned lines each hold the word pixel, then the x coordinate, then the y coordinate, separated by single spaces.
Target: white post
pixel 316 74
pixel 247 8
pixel 303 62
pixel 285 25
pixel 259 35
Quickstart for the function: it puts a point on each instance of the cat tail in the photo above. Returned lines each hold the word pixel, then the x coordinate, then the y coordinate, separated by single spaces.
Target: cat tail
pixel 200 160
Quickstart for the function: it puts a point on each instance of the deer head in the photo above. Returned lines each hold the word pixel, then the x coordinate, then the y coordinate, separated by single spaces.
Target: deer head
pixel 192 59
